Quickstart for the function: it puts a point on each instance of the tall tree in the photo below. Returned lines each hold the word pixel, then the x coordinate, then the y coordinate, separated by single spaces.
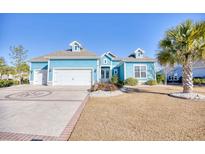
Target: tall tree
pixel 2 66
pixel 18 57
pixel 2 61
pixel 183 44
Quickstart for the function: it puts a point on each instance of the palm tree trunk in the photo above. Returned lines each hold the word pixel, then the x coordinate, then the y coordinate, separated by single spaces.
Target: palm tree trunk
pixel 187 77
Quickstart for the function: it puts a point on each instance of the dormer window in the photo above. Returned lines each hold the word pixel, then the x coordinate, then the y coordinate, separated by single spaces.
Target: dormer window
pixel 75 46
pixel 139 53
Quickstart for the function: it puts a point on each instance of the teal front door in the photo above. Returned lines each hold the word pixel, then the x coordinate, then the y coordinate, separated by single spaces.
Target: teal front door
pixel 105 74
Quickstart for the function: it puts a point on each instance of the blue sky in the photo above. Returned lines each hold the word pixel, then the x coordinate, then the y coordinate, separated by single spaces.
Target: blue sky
pixel 119 33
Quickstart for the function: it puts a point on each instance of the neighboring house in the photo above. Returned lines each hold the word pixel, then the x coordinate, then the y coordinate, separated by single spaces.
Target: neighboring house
pixel 198 69
pixel 7 77
pixel 77 66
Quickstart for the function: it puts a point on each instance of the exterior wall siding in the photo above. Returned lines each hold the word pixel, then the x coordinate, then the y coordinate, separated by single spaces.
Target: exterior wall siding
pixel 121 71
pixel 72 63
pixel 115 65
pixel 105 57
pixel 125 69
pixel 37 65
pixel 151 75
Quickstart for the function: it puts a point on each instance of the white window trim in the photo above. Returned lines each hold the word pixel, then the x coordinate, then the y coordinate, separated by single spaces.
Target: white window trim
pixel 30 71
pixel 115 71
pixel 48 73
pixel 140 71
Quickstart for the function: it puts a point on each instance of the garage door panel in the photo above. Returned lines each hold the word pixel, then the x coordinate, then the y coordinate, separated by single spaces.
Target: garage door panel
pixel 72 77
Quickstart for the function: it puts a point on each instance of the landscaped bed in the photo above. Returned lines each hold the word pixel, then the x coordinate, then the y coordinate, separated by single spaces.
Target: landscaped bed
pixel 146 113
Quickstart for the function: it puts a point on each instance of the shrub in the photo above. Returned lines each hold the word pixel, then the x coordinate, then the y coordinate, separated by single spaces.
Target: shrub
pixel 15 82
pixel 6 83
pixel 160 78
pixel 104 87
pixel 120 83
pixel 94 87
pixel 203 81
pixel 151 82
pixel 25 81
pixel 114 79
pixel 198 81
pixel 131 81
pixel 110 87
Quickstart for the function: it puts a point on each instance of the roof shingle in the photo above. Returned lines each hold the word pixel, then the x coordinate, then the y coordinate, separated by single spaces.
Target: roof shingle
pixel 66 54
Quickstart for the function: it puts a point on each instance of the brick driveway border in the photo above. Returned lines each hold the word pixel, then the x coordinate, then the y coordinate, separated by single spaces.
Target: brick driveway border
pixel 64 136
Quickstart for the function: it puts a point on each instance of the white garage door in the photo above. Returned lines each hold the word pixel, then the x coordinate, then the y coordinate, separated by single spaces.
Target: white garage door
pixel 40 77
pixel 72 77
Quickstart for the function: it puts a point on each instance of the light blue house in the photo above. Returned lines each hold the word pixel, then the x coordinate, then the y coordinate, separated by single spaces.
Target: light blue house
pixel 77 66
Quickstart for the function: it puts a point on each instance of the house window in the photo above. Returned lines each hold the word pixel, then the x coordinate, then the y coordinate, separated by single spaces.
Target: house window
pixel 105 61
pixel 102 73
pixel 76 48
pixel 140 71
pixel 143 72
pixel 137 72
pixel 115 71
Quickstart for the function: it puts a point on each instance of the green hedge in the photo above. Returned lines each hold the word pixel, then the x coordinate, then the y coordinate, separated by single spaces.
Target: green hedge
pixel 151 82
pixel 160 78
pixel 131 81
pixel 198 81
pixel 7 83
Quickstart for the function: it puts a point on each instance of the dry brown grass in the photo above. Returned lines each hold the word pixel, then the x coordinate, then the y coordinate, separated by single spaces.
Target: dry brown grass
pixel 146 114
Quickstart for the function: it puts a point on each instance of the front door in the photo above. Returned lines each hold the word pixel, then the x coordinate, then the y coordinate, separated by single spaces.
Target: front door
pixel 105 74
pixel 40 77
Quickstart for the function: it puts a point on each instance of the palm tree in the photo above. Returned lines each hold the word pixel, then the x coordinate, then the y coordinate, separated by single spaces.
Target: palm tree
pixel 182 45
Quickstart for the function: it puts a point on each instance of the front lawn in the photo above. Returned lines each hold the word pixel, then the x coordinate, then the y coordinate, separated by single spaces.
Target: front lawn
pixel 146 114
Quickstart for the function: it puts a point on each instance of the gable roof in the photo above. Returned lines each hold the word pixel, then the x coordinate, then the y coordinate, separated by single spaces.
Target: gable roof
pixel 69 54
pixel 109 54
pixel 75 42
pixel 66 54
pixel 144 59
pixel 131 59
pixel 39 59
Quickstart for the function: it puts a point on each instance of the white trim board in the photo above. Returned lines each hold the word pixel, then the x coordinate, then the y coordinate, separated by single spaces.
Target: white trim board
pixel 30 72
pixel 48 73
pixel 125 73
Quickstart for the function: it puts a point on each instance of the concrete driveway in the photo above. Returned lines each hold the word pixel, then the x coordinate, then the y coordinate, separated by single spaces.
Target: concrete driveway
pixel 40 112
